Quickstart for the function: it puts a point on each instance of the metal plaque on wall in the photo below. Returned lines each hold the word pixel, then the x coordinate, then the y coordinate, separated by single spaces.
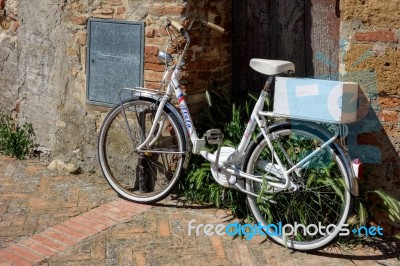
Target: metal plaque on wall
pixel 115 59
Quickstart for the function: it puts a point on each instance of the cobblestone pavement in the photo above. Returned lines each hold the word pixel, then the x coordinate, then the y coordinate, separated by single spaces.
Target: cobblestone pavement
pixel 47 218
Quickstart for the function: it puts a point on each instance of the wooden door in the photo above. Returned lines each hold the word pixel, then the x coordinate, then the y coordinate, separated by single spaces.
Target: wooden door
pixel 305 32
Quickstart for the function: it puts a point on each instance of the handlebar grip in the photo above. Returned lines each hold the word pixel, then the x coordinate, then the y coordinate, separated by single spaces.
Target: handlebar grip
pixel 213 26
pixel 177 26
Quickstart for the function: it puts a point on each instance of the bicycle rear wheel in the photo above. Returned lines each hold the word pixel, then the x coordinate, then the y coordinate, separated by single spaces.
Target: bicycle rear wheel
pixel 143 176
pixel 321 203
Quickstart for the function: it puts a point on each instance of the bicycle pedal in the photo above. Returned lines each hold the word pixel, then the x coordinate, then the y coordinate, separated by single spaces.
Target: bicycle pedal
pixel 214 136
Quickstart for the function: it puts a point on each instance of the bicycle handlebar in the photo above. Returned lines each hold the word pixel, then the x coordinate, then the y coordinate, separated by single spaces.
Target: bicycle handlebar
pixel 177 25
pixel 211 25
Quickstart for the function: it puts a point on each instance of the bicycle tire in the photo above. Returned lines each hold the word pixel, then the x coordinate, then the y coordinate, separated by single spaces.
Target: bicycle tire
pixel 323 194
pixel 144 177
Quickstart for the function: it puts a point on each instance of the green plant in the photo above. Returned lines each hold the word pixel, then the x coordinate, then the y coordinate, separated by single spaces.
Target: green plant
pixel 368 205
pixel 15 140
pixel 390 205
pixel 198 184
pixel 366 208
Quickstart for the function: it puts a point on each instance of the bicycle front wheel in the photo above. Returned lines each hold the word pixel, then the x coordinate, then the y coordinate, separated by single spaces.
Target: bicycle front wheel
pixel 311 214
pixel 150 174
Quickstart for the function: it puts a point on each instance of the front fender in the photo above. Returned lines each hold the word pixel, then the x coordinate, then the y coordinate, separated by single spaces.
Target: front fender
pixel 174 110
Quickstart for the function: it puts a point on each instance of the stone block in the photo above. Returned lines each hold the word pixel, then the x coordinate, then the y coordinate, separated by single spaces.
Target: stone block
pixel 149 33
pixel 151 50
pixel 389 116
pixel 104 11
pixel 120 10
pixel 389 102
pixel 374 13
pixel 77 20
pixel 155 67
pixel 376 36
pixel 115 2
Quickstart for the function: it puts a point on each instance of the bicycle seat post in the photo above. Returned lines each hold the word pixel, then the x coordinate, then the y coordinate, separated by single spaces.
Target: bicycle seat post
pixel 267 85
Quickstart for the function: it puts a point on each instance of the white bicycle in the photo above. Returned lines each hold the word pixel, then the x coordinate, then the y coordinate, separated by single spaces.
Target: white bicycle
pixel 293 172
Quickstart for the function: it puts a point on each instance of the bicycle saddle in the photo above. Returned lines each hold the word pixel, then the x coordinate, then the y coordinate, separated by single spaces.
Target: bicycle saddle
pixel 271 67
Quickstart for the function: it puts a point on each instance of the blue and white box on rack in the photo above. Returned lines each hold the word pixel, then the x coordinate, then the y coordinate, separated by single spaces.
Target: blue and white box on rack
pixel 316 100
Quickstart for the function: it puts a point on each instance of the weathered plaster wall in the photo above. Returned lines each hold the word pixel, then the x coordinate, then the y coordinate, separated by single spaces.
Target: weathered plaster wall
pixel 8 55
pixel 34 77
pixel 370 55
pixel 43 56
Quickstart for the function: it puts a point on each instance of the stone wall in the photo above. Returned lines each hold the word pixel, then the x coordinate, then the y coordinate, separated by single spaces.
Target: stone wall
pixel 370 55
pixel 43 57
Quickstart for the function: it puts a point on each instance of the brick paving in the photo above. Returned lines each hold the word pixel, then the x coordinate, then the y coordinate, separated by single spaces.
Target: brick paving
pixel 51 219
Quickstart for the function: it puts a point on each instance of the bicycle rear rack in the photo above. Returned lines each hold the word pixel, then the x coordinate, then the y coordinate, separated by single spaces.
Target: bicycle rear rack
pixel 140 91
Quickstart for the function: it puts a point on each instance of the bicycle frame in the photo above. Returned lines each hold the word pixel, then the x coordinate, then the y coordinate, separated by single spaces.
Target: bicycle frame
pixel 257 119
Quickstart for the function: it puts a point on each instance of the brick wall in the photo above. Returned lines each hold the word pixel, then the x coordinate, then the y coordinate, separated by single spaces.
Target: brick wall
pixel 370 55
